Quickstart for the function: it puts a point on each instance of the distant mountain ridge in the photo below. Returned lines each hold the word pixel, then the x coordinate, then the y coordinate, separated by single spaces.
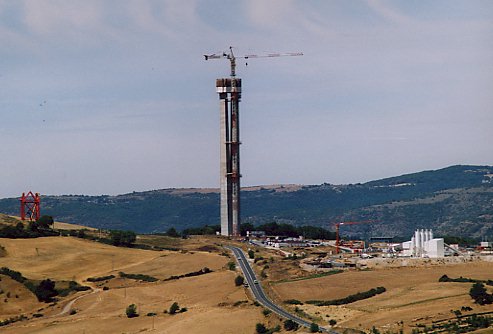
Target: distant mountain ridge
pixel 456 200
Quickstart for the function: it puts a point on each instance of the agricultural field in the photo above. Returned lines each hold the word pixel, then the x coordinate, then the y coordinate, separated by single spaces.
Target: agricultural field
pixel 197 274
pixel 413 296
pixel 211 302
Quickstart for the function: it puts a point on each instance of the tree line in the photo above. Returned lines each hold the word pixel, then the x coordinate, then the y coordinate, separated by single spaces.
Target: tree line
pixel 272 228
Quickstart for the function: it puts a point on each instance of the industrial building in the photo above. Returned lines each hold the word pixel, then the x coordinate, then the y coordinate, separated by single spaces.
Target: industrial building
pixel 422 244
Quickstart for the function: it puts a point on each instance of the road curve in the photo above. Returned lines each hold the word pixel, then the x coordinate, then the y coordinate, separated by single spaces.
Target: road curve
pixel 69 305
pixel 259 294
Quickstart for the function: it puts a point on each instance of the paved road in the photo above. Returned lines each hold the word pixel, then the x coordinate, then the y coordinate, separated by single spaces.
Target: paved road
pixel 261 296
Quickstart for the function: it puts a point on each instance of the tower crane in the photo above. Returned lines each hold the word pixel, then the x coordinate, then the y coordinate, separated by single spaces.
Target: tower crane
pixel 338 239
pixel 232 58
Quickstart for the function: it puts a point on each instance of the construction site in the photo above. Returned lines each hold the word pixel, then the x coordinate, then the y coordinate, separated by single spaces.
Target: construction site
pixel 346 252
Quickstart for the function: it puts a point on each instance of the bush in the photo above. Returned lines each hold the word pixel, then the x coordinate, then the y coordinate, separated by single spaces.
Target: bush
pixel 172 233
pixel 45 221
pixel 45 291
pixel 332 322
pixel 99 279
pixel 258 258
pixel 251 254
pixel 293 302
pixel 122 238
pixel 444 278
pixel 461 279
pixel 15 275
pixel 174 308
pixel 72 286
pixel 260 328
pixel 81 234
pixel 374 330
pixel 479 294
pixel 231 265
pixel 204 230
pixel 18 231
pixel 266 312
pixel 349 299
pixel 203 271
pixel 14 231
pixel 139 277
pixel 239 302
pixel 290 325
pixel 8 321
pixel 131 311
pixel 314 328
pixel 239 280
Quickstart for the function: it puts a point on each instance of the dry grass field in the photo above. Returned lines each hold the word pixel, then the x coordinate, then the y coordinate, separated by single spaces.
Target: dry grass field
pixel 214 304
pixel 8 220
pixel 13 220
pixel 413 295
pixel 209 299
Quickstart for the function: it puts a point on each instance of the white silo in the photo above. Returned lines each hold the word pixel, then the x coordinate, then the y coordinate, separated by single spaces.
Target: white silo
pixel 413 246
pixel 417 237
pixel 422 241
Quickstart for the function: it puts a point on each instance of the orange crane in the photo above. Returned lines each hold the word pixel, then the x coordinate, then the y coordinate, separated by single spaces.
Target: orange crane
pixel 338 240
pixel 232 58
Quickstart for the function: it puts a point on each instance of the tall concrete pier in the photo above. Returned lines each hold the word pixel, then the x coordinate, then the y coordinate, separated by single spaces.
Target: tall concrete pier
pixel 229 91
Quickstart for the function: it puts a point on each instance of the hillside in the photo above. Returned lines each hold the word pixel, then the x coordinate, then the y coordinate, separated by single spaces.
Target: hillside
pixel 213 303
pixel 455 200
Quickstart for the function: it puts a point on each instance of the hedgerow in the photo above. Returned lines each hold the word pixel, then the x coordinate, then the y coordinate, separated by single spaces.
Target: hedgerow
pixel 349 299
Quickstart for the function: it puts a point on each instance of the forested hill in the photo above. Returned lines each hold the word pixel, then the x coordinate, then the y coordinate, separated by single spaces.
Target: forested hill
pixel 457 200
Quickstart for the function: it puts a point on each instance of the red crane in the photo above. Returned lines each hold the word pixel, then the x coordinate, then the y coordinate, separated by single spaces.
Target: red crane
pixel 338 240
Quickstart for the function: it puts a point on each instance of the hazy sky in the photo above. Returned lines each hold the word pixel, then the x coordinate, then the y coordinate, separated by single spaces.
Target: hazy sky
pixel 109 97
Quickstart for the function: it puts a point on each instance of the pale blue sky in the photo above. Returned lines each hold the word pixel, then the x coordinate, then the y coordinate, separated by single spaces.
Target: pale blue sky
pixel 109 97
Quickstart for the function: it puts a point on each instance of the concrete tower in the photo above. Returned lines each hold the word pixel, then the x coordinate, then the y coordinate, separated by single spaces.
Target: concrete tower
pixel 229 91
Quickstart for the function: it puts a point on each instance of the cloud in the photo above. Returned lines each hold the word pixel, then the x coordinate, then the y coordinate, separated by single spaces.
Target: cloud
pixel 47 17
pixel 131 73
pixel 389 13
